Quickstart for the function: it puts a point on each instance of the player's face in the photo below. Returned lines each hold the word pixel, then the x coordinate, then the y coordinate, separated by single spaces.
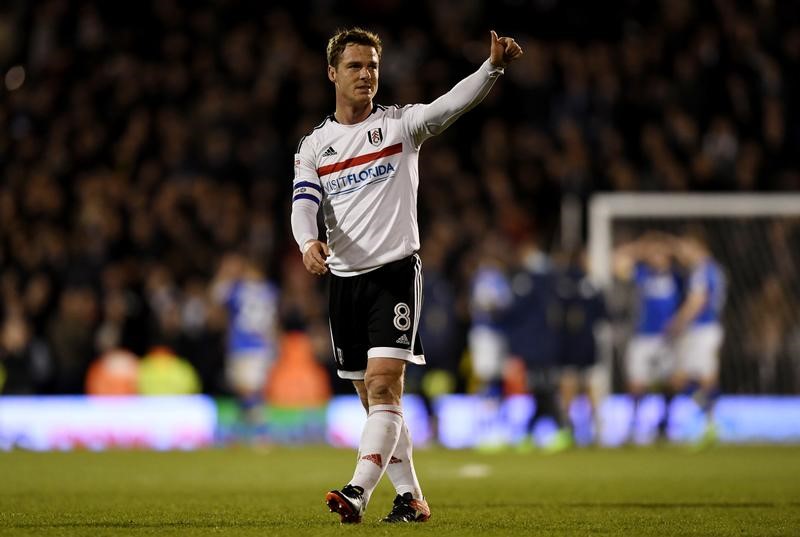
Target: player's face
pixel 690 252
pixel 356 75
pixel 657 257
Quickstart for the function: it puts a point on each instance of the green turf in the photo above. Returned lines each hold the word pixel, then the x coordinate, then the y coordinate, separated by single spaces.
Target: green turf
pixel 640 492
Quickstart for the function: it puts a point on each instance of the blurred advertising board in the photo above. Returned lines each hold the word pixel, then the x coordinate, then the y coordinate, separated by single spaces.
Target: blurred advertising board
pixel 95 423
pixel 458 421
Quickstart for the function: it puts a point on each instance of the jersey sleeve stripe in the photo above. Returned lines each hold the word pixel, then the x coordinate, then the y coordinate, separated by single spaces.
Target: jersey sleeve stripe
pixel 361 159
pixel 303 139
pixel 306 197
pixel 300 143
pixel 308 184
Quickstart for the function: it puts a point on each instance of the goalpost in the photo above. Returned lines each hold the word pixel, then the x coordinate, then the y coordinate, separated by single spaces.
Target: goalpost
pixel 756 238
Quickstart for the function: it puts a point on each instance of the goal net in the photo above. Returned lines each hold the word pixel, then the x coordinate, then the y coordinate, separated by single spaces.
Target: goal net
pixel 755 238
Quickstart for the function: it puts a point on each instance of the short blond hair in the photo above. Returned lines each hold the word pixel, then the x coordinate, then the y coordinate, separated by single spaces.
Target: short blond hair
pixel 358 36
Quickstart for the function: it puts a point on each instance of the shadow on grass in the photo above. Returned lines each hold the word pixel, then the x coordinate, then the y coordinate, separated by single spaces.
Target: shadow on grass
pixel 639 505
pixel 139 525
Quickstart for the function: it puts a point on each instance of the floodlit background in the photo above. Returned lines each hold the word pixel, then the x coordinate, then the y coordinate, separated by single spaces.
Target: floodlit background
pixel 146 163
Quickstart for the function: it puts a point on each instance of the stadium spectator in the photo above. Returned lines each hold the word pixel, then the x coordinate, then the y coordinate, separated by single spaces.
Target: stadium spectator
pixel 70 338
pixel 16 361
pixel 772 318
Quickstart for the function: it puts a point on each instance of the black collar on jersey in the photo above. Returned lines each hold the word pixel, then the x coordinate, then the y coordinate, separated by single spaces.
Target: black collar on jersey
pixel 375 108
pixel 332 117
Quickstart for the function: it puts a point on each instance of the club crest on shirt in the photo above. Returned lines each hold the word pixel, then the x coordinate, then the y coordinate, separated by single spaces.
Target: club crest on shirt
pixel 375 137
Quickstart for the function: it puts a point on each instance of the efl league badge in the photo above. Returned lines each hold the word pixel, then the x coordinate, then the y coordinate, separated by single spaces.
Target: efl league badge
pixel 375 137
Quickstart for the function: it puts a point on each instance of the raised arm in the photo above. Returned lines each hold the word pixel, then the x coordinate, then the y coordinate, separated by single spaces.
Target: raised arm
pixel 625 257
pixel 650 248
pixel 441 113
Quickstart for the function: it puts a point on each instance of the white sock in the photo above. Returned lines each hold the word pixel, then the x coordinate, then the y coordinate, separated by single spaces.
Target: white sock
pixel 401 466
pixel 378 442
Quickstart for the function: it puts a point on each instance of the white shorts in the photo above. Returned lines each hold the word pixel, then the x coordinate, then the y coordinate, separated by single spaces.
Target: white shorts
pixel 488 349
pixel 649 359
pixel 246 371
pixel 698 351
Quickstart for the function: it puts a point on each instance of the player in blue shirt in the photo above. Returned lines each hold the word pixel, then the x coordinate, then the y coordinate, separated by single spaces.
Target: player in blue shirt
pixel 696 327
pixel 490 299
pixel 650 356
pixel 251 302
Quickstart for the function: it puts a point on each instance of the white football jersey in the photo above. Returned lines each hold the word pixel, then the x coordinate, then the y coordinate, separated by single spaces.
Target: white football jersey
pixel 365 176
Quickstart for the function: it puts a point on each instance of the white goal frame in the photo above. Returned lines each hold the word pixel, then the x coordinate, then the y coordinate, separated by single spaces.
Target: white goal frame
pixel 607 207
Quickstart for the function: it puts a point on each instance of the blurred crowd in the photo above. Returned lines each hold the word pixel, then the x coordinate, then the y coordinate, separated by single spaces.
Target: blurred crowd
pixel 142 141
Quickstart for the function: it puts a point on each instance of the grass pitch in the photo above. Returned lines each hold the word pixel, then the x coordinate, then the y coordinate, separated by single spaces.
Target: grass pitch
pixel 237 492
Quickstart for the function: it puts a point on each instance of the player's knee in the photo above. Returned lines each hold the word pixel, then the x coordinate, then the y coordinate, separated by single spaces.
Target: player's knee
pixel 383 388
